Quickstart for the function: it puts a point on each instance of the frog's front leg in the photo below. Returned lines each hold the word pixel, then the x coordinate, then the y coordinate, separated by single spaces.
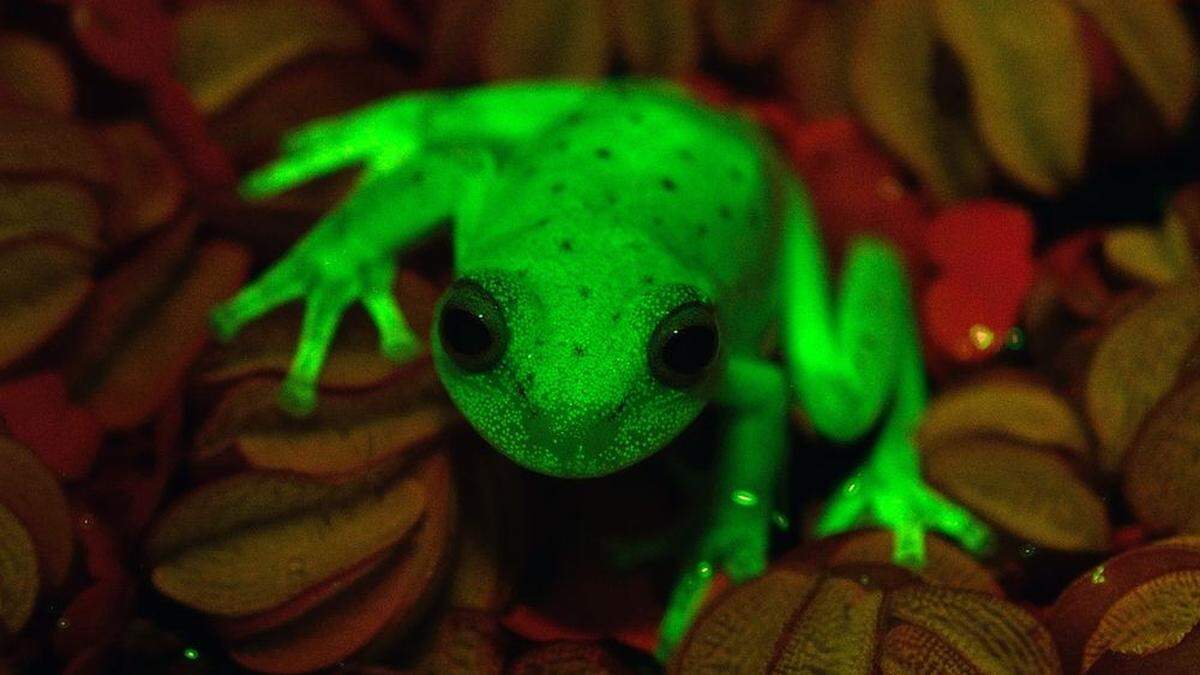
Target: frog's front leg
pixel 858 361
pixel 349 256
pixel 753 401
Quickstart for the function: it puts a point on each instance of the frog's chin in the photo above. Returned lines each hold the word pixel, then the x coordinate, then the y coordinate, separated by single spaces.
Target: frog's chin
pixel 560 462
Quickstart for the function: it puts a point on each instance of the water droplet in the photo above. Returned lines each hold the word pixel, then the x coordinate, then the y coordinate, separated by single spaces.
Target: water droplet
pixel 296 567
pixel 86 521
pixel 191 654
pixel 63 623
pixel 1098 575
pixel 744 498
pixel 1028 550
pixel 704 569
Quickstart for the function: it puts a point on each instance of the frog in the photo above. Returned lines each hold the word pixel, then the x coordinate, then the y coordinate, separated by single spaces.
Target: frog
pixel 624 256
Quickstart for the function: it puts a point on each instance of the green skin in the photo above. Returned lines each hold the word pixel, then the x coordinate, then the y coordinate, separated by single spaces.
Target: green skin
pixel 585 215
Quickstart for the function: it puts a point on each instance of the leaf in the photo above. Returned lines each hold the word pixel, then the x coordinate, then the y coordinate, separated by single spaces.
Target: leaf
pixel 18 573
pixel 1028 78
pixel 37 73
pixel 41 287
pixel 1139 603
pixel 568 657
pixel 892 79
pixel 38 414
pixel 1026 490
pixel 31 493
pixel 241 570
pixel 354 362
pixel 1153 39
pixel 1014 409
pixel 148 322
pixel 945 563
pixel 1155 256
pixel 57 209
pixel 547 38
pixel 988 634
pixel 739 631
pixel 747 30
pixel 465 642
pixel 794 619
pixel 347 432
pixel 835 633
pixel 225 46
pixel 1162 470
pixel 149 186
pixel 381 607
pixel 816 65
pixel 1155 616
pixel 35 144
pixel 1137 362
pixel 658 36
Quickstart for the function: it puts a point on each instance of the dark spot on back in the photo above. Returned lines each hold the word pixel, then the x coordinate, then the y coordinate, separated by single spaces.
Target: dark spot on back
pixel 725 212
pixel 657 220
pixel 578 351
pixel 541 222
pixel 736 174
pixel 687 155
pixel 702 230
pixel 561 146
pixel 521 391
pixel 669 185
pixel 585 292
pixel 648 280
pixel 637 117
pixel 603 153
pixel 616 317
pixel 610 197
pixel 566 245
pixel 557 188
pixel 574 118
pixel 417 177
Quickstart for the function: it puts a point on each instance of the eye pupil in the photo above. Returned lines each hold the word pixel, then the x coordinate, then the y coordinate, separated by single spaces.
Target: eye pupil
pixel 465 332
pixel 685 345
pixel 690 349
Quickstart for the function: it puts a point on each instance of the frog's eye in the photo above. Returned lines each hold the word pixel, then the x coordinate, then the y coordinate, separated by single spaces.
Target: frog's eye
pixel 472 327
pixel 684 346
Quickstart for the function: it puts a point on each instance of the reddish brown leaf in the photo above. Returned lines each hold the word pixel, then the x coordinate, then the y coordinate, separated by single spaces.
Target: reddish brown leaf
pixel 795 619
pixel 61 210
pixel 348 432
pixel 568 658
pixel 41 287
pixel 253 541
pixel 658 36
pixel 1010 407
pixel 33 143
pixel 32 494
pixel 1027 490
pixel 1137 610
pixel 225 47
pixel 37 73
pixel 379 608
pixel 1136 363
pixel 18 573
pixel 1162 470
pixel 748 30
pixel 149 186
pixel 547 38
pixel 149 322
pixel 37 413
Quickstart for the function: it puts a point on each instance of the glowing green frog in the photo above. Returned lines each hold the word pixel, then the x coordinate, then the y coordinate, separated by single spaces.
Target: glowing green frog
pixel 621 253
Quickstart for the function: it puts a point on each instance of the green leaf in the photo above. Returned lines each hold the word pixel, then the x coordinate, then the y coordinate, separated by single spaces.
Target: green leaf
pixel 1152 37
pixel 892 76
pixel 545 38
pixel 1025 66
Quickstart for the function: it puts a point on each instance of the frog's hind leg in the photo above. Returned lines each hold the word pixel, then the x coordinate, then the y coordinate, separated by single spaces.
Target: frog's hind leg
pixel 854 360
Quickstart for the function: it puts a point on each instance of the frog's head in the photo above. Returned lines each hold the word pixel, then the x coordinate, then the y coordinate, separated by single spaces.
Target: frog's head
pixel 576 369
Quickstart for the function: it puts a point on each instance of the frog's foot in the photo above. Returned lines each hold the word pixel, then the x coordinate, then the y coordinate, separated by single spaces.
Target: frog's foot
pixel 737 545
pixel 905 505
pixel 330 280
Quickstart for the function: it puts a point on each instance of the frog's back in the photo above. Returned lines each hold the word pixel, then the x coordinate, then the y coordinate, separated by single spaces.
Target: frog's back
pixel 642 160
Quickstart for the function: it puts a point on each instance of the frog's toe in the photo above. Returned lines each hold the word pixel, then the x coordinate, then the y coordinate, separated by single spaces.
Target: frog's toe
pixel 957 523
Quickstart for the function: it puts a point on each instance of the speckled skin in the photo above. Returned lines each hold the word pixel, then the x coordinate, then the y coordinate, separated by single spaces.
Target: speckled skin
pixel 624 208
pixel 589 213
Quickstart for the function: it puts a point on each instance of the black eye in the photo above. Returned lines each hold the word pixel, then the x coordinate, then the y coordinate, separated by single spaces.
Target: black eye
pixel 472 327
pixel 685 345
